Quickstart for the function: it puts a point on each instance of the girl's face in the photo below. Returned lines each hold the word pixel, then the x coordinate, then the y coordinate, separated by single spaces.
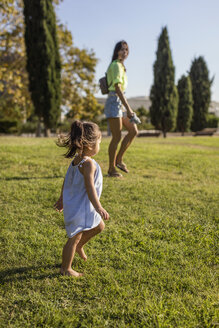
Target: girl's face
pixel 123 52
pixel 96 147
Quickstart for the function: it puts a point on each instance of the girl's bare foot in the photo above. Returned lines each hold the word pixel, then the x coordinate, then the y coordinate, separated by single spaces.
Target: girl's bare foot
pixel 81 253
pixel 70 273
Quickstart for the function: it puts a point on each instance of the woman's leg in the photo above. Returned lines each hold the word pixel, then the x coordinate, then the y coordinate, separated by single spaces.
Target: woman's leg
pixel 68 256
pixel 116 130
pixel 127 140
pixel 86 236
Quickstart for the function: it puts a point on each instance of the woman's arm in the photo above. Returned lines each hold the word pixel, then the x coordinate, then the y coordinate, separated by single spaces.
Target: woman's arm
pixel 123 99
pixel 88 171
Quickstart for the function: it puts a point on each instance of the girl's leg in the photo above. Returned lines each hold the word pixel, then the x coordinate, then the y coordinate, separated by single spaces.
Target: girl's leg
pixel 86 236
pixel 127 140
pixel 116 130
pixel 68 256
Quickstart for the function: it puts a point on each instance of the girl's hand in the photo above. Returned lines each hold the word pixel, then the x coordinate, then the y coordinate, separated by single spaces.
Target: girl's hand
pixel 103 213
pixel 59 204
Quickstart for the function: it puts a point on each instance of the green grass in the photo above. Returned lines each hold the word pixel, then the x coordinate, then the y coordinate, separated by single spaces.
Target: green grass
pixel 153 266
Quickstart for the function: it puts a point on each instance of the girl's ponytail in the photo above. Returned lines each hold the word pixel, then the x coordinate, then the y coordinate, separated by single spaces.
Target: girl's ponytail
pixel 73 141
pixel 77 136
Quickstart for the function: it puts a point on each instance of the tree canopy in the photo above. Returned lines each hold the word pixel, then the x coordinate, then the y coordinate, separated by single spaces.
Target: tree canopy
pixel 185 109
pixel 163 95
pixel 15 99
pixel 43 60
pixel 77 75
pixel 78 87
pixel 201 91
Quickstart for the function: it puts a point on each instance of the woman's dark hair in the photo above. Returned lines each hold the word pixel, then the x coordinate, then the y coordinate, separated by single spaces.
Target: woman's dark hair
pixel 82 135
pixel 117 48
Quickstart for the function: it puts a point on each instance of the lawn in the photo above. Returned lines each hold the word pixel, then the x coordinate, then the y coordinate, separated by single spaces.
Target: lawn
pixel 155 263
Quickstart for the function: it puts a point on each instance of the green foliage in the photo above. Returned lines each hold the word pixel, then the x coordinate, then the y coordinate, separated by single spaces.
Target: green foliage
pixel 144 116
pixel 29 127
pixel 15 102
pixel 78 87
pixel 154 265
pixel 201 91
pixel 163 95
pixel 77 75
pixel 64 126
pixel 185 109
pixel 9 126
pixel 43 61
pixel 212 121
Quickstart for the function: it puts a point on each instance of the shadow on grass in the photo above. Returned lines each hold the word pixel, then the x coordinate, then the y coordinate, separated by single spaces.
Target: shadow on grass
pixel 31 272
pixel 147 176
pixel 30 178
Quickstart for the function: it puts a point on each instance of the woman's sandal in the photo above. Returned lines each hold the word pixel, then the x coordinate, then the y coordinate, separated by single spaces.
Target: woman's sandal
pixel 122 167
pixel 114 174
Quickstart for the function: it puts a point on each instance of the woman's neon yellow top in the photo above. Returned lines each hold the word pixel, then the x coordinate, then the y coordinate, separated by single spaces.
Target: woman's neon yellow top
pixel 116 74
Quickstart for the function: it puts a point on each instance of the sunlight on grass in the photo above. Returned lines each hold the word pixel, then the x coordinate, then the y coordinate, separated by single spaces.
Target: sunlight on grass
pixel 153 266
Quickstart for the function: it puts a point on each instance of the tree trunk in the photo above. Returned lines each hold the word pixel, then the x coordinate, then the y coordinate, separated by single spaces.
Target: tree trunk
pixel 38 131
pixel 47 132
pixel 164 134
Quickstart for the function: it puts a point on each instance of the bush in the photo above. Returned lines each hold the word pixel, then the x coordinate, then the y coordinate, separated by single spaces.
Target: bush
pixel 9 126
pixel 103 124
pixel 212 121
pixel 144 116
pixel 64 127
pixel 29 127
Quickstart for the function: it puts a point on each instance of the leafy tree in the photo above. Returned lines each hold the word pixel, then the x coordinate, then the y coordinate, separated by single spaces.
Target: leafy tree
pixel 201 91
pixel 15 102
pixel 163 95
pixel 212 121
pixel 77 75
pixel 43 61
pixel 145 118
pixel 142 112
pixel 185 109
pixel 78 87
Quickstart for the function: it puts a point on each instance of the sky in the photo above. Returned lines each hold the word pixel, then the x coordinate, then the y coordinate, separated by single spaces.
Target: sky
pixel 193 28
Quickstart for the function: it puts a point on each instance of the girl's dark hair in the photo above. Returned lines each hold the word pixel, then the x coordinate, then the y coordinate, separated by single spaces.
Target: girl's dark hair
pixel 82 135
pixel 117 48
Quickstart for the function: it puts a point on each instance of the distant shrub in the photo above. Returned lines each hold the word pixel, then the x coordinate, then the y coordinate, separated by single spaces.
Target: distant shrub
pixel 103 124
pixel 212 121
pixel 29 127
pixel 9 126
pixel 65 126
pixel 145 118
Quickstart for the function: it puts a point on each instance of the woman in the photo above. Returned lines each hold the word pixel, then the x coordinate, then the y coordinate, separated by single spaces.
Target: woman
pixel 117 82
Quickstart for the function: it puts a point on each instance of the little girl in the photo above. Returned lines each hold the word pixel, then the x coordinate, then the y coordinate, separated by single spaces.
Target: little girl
pixel 80 193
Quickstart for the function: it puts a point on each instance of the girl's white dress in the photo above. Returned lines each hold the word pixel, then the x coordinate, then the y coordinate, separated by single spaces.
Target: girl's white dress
pixel 79 213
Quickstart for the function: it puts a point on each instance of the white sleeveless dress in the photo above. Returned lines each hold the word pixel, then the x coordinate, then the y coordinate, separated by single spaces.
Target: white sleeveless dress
pixel 79 213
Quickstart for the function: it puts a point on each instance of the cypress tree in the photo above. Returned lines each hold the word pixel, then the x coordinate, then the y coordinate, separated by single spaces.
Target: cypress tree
pixel 43 61
pixel 201 91
pixel 163 95
pixel 185 109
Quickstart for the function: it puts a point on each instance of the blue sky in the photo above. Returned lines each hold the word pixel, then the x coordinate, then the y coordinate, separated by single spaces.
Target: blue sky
pixel 193 27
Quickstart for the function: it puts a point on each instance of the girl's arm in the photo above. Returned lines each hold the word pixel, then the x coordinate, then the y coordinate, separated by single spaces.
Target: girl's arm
pixel 59 204
pixel 123 100
pixel 88 170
